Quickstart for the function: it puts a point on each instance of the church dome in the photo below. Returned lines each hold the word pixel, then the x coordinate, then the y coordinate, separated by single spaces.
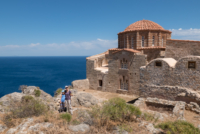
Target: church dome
pixel 144 25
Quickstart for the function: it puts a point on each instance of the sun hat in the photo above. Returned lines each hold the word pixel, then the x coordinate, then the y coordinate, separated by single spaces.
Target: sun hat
pixel 66 86
pixel 63 91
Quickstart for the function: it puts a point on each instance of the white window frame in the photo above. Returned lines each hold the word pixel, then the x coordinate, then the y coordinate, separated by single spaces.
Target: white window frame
pixel 153 40
pixel 142 45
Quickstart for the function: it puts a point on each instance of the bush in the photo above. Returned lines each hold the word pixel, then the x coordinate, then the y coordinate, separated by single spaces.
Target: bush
pixel 148 117
pixel 125 127
pixel 58 91
pixel 114 109
pixel 66 116
pixel 28 107
pixel 178 127
pixel 37 93
pixel 27 98
pixel 76 122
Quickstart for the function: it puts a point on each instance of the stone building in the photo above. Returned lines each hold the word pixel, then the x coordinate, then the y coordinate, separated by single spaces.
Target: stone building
pixel 147 62
pixel 117 70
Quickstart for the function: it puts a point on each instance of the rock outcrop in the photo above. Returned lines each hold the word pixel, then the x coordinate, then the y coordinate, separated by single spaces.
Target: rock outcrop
pixel 46 98
pixel 79 128
pixel 81 84
pixel 6 100
pixel 84 99
pixel 177 107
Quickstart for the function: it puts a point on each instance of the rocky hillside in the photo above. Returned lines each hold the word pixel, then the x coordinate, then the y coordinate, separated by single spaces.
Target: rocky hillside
pixel 34 111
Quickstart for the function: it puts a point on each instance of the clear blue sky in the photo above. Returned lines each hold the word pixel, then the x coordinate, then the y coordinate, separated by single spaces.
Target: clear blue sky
pixel 86 27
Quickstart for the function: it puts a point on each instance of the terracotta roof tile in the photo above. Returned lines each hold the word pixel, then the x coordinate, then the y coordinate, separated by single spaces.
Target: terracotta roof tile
pixel 156 47
pixel 126 49
pixel 144 25
pixel 184 40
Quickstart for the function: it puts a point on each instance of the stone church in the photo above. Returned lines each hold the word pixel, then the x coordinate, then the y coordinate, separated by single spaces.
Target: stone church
pixel 146 57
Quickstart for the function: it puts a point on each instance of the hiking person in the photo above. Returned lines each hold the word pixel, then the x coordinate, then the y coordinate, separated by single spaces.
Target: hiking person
pixel 68 95
pixel 62 101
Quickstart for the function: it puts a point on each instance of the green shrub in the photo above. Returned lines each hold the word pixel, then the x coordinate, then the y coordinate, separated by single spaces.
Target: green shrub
pixel 148 117
pixel 66 116
pixel 37 93
pixel 114 109
pixel 178 127
pixel 125 127
pixel 28 107
pixel 58 91
pixel 27 98
pixel 76 122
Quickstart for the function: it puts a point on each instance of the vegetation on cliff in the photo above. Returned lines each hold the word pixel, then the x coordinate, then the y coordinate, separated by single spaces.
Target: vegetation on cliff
pixel 178 127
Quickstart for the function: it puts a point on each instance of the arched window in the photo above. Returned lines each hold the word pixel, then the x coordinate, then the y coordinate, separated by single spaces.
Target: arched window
pixel 162 41
pixel 123 83
pixel 153 41
pixel 142 41
pixel 124 64
pixel 132 43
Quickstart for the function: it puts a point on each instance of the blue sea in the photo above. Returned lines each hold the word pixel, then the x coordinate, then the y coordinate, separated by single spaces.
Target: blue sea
pixel 48 73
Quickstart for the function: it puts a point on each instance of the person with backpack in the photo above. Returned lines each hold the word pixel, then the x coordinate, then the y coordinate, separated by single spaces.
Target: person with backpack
pixel 68 95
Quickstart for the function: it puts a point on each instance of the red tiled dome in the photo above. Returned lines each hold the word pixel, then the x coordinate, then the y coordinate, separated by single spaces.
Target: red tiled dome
pixel 144 25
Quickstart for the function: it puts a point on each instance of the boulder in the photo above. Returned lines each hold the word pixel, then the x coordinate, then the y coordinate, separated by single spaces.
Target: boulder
pixel 152 129
pixel 79 128
pixel 2 128
pixel 30 90
pixel 179 110
pixel 11 131
pixel 84 99
pixel 21 129
pixel 84 117
pixel 35 128
pixel 7 99
pixel 81 84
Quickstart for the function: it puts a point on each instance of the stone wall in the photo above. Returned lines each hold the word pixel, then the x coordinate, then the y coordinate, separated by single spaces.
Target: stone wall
pixel 168 76
pixel 160 37
pixel 111 78
pixel 153 54
pixel 131 74
pixel 94 76
pixel 180 48
pixel 174 93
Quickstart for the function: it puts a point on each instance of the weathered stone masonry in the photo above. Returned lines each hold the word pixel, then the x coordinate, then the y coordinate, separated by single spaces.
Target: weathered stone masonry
pixel 149 63
pixel 173 80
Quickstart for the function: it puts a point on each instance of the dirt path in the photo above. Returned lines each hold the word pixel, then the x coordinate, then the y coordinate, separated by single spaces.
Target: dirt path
pixel 108 95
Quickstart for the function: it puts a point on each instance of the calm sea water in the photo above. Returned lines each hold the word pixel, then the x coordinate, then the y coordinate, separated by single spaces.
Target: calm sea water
pixel 48 73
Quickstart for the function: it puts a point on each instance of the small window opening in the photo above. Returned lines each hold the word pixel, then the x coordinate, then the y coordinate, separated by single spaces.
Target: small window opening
pixel 142 41
pixel 124 42
pixel 158 63
pixel 132 43
pixel 192 64
pixel 162 41
pixel 153 41
pixel 100 83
